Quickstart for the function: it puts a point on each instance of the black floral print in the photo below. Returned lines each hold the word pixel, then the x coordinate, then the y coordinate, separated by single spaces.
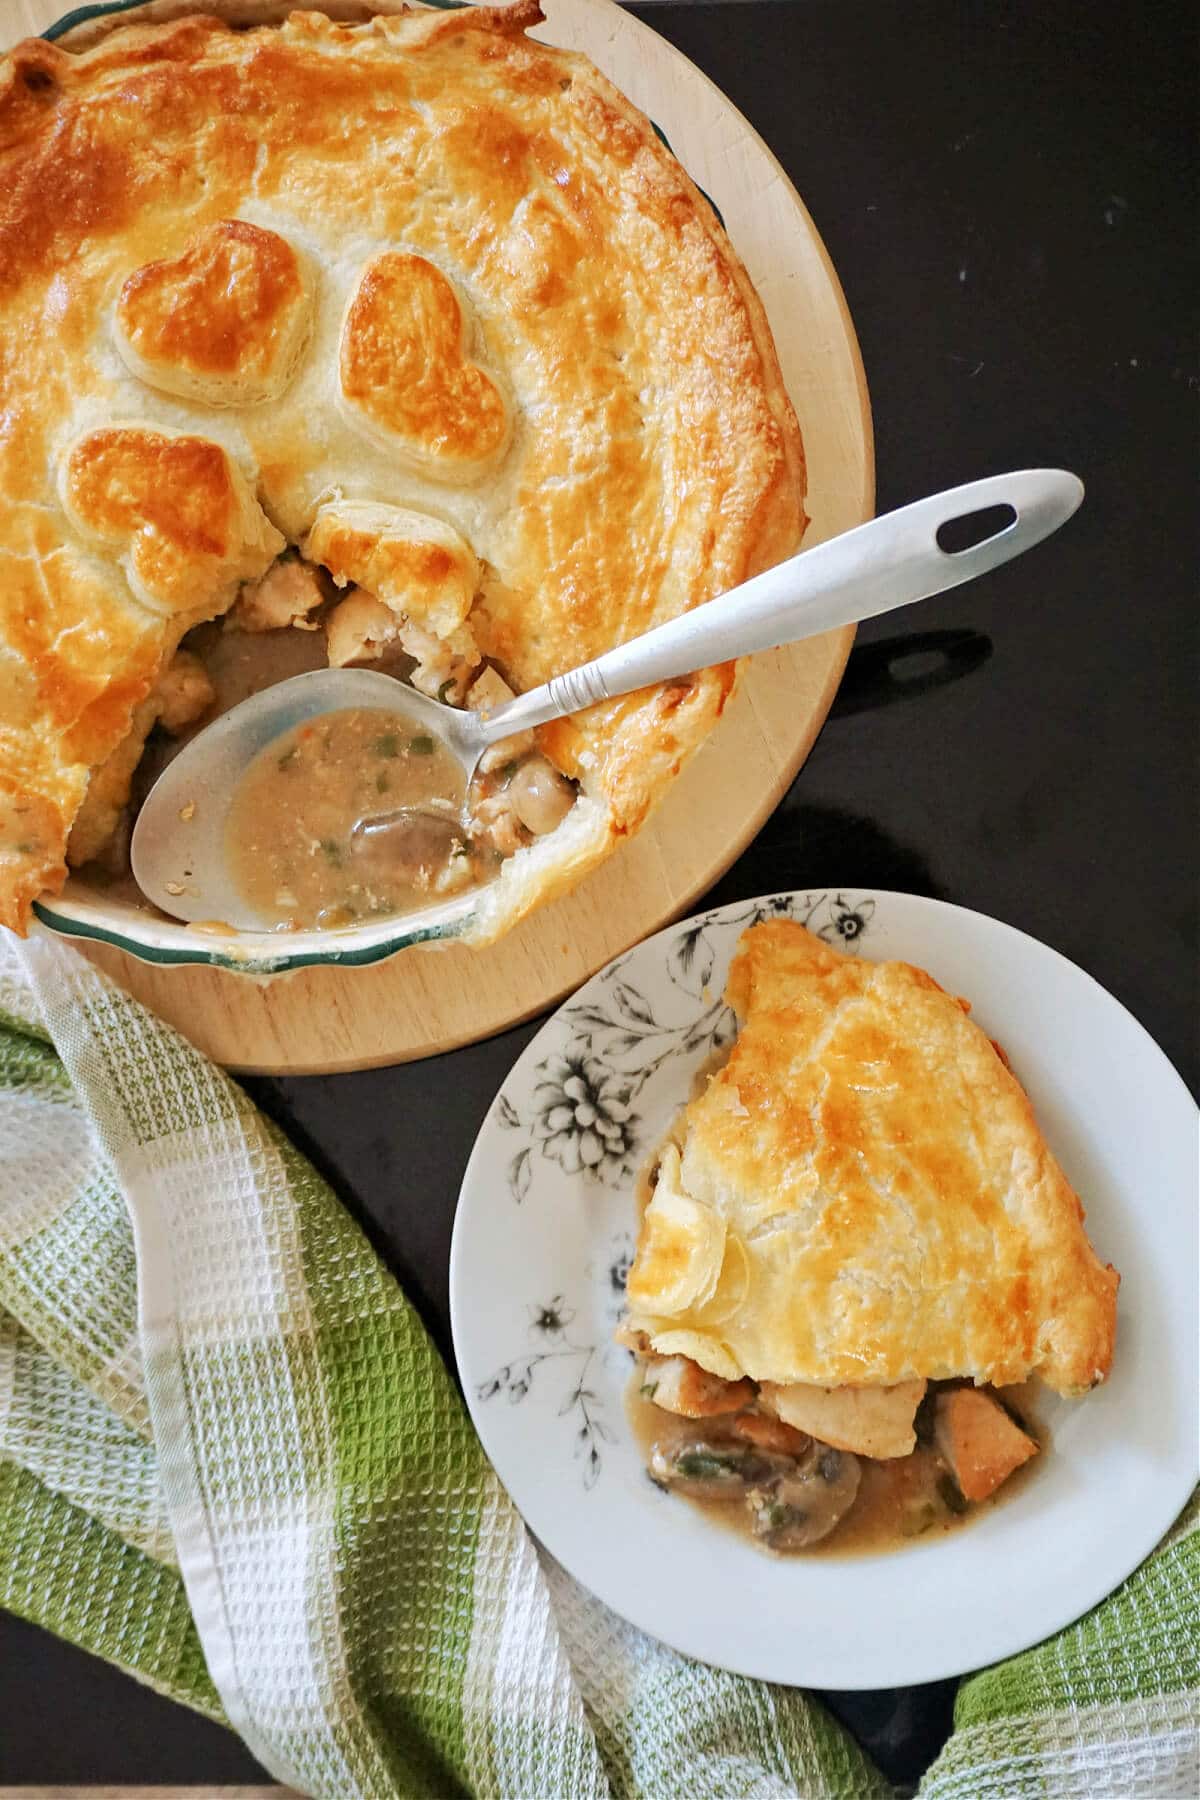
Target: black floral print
pixel 582 1118
pixel 552 1319
pixel 581 1113
pixel 847 922
pixel 580 1403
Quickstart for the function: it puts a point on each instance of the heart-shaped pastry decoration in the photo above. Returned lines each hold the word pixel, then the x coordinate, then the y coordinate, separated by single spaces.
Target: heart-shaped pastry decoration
pixel 177 509
pixel 223 322
pixel 406 371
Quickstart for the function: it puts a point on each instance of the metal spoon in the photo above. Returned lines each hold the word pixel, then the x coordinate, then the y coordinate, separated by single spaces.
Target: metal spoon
pixel 178 850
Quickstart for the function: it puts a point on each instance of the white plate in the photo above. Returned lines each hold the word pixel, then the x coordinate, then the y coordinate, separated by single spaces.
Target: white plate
pixel 543 1237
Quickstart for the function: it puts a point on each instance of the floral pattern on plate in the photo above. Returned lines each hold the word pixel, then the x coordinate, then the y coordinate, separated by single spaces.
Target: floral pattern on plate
pixel 627 1052
pixel 580 1404
pixel 581 1114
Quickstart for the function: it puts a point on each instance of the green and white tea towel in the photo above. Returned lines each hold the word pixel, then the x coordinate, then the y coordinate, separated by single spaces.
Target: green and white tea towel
pixel 232 1463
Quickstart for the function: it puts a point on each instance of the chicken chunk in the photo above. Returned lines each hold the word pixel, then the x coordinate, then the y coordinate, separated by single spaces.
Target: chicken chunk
pixel 869 1421
pixel 362 628
pixel 978 1439
pixel 497 824
pixel 679 1385
pixel 286 595
pixel 488 691
pixel 359 629
pixel 444 666
pixel 184 693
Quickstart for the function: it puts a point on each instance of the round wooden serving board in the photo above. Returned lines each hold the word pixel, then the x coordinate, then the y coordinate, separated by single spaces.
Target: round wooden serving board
pixel 429 999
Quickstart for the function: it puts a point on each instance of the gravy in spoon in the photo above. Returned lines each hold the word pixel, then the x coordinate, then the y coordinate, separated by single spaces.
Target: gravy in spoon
pixel 291 838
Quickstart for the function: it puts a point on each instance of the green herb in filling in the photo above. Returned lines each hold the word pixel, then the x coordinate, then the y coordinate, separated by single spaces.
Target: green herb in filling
pixel 421 746
pixel 332 852
pixel 387 745
pixel 709 1465
pixel 289 757
pixel 776 1514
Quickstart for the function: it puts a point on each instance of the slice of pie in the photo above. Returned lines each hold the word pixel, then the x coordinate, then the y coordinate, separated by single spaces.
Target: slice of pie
pixel 406 338
pixel 861 1204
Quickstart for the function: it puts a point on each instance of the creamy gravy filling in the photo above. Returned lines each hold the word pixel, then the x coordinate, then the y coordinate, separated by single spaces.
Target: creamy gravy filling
pixel 899 1501
pixel 295 837
pixel 291 822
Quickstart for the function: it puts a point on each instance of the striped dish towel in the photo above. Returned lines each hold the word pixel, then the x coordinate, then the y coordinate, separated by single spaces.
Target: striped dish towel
pixel 232 1463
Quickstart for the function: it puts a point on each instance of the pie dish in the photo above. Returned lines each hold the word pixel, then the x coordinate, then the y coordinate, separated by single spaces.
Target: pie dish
pixel 420 297
pixel 859 1205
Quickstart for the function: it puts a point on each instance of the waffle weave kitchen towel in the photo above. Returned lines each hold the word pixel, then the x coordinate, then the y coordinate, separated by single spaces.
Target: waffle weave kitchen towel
pixel 232 1463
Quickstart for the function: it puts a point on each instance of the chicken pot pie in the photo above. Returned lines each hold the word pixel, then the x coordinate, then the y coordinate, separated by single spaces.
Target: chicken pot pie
pixel 409 336
pixel 856 1246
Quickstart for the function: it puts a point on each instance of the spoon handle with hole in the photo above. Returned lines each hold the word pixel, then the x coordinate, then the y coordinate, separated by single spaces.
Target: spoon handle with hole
pixel 889 562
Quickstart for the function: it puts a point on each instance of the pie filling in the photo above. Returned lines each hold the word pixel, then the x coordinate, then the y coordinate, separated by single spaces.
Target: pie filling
pixel 725 1446
pixel 308 835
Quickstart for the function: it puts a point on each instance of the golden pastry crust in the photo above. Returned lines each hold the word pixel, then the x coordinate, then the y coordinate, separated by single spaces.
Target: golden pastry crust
pixel 864 1197
pixel 406 369
pixel 223 322
pixel 649 457
pixel 412 562
pixel 174 511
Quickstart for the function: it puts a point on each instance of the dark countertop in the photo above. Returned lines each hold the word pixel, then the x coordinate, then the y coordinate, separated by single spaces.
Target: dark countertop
pixel 1009 196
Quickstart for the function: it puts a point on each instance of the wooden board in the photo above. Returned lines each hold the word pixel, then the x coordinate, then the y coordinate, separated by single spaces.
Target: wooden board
pixel 426 1000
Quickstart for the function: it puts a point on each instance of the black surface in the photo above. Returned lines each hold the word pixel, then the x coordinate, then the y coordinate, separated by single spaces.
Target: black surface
pixel 1008 193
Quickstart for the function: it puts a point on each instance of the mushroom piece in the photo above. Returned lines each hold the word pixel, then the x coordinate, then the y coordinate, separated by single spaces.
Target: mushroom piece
pixel 708 1469
pixel 417 843
pixel 804 1505
pixel 539 795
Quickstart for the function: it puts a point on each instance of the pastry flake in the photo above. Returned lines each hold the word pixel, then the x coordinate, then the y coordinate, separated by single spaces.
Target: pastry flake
pixel 416 564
